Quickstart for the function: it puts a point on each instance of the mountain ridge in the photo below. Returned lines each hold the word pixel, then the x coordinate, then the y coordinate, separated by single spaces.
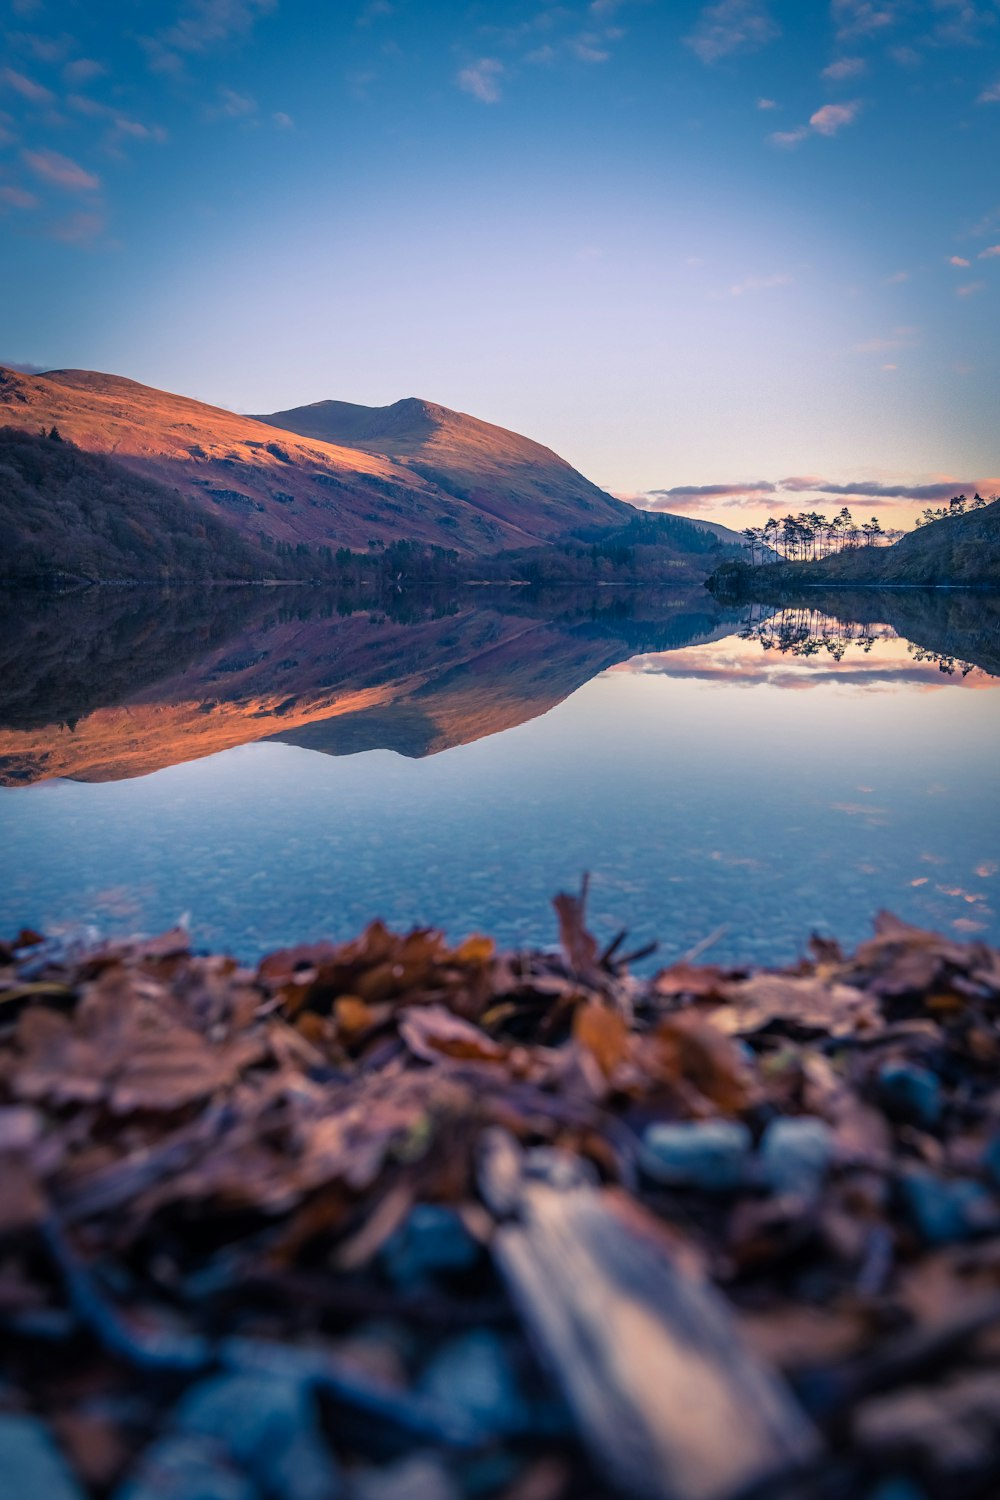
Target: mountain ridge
pixel 272 482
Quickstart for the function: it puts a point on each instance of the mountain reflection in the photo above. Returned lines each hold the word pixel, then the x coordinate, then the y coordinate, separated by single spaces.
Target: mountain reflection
pixel 109 684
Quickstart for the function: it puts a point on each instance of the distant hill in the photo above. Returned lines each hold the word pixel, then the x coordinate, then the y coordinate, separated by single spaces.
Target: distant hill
pixel 503 475
pixel 65 512
pixel 955 550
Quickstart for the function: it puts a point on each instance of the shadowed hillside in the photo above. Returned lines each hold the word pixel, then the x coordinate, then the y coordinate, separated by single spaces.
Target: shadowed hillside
pixel 63 511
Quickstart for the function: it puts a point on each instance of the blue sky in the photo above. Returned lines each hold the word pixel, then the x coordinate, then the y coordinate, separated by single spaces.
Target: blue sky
pixel 723 255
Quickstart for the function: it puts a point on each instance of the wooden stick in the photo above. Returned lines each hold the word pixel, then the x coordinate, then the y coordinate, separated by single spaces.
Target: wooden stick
pixel 669 1400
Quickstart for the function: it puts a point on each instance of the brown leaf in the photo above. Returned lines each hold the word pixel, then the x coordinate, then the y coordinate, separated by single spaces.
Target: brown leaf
pixel 686 1046
pixel 579 945
pixel 603 1032
pixel 431 1032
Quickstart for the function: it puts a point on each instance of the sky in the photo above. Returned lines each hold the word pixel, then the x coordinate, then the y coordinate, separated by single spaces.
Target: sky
pixel 728 259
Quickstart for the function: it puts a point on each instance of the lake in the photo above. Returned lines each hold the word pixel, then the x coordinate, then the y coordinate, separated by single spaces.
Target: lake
pixel 272 765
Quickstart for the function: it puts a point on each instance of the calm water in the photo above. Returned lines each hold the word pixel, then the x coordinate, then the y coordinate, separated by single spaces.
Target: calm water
pixel 273 766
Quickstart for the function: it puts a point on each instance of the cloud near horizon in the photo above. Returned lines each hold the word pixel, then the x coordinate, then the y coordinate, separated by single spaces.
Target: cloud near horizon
pixel 752 494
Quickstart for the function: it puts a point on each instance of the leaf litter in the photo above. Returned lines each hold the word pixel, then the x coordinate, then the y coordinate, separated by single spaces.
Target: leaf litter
pixel 397 1220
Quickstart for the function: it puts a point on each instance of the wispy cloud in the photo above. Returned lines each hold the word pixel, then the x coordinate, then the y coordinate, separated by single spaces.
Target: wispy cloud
pixel 61 171
pixel 26 87
pixel 202 26
pixel 833 117
pixel 767 104
pixel 788 139
pixel 208 23
pixel 83 70
pixel 708 497
pixel 959 260
pixel 863 17
pixel 988 254
pixel 482 80
pixel 826 121
pixel 729 27
pixel 121 127
pixel 84 228
pixel 903 337
pixel 230 105
pixel 780 493
pixel 969 288
pixel 990 95
pixel 897 278
pixel 758 284
pixel 844 67
pixel 16 197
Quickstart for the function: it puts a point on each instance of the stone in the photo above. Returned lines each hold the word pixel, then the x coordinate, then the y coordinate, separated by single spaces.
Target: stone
pixel 897 1489
pixel 183 1468
pixel 432 1241
pixel 31 1464
pixel 943 1210
pixel 267 1426
pixel 910 1093
pixel 473 1375
pixel 420 1477
pixel 707 1154
pixel 795 1155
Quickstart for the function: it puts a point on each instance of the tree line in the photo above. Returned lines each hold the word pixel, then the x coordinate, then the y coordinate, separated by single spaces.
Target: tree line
pixel 811 535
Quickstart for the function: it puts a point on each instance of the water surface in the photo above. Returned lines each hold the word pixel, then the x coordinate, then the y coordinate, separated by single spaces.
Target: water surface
pixel 276 765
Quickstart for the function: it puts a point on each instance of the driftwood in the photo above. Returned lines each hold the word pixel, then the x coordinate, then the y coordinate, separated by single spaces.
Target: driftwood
pixel 665 1395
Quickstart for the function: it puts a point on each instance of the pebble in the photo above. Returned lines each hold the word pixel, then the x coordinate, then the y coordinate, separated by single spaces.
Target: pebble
pixel 910 1093
pixel 31 1464
pixel 897 1489
pixel 422 1477
pixel 707 1154
pixel 473 1374
pixel 268 1427
pixel 182 1468
pixel 943 1210
pixel 796 1154
pixel 432 1241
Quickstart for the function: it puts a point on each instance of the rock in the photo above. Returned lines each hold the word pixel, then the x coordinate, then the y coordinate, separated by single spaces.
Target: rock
pixel 910 1093
pixel 31 1464
pixel 796 1154
pixel 182 1468
pixel 473 1374
pixel 432 1241
pixel 946 1209
pixel 897 1489
pixel 707 1154
pixel 268 1428
pixel 422 1477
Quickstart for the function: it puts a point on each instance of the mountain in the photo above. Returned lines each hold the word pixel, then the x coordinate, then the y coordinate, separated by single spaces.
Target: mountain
pixel 504 476
pixel 66 512
pixel 475 489
pixel 955 550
